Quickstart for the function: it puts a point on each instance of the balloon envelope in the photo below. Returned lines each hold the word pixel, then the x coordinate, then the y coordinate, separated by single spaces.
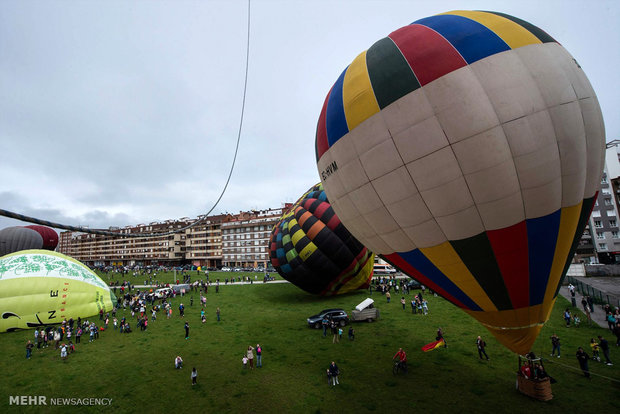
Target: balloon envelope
pixel 311 248
pixel 466 149
pixel 39 287
pixel 49 235
pixel 13 239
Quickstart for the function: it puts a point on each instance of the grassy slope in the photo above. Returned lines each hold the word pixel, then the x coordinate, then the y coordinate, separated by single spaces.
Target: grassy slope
pixel 136 369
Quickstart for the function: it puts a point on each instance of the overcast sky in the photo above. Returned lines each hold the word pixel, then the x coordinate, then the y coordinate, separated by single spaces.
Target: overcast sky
pixel 123 112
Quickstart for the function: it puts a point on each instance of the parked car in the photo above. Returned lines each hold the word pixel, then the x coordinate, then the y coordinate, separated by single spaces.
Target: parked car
pixel 226 269
pixel 337 315
pixel 413 284
pixel 162 293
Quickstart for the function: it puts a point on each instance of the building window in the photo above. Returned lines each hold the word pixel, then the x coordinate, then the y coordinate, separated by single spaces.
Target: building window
pixel 612 223
pixel 608 201
pixel 605 191
pixel 604 179
pixel 597 224
pixel 600 235
pixel 596 213
pixel 602 246
pixel 614 234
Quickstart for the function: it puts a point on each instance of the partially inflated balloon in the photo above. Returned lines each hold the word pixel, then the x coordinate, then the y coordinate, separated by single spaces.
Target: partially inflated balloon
pixel 49 235
pixel 14 239
pixel 39 287
pixel 466 149
pixel 311 248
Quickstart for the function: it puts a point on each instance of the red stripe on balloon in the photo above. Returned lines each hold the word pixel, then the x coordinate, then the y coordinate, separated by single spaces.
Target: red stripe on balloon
pixel 322 144
pixel 400 263
pixel 428 53
pixel 333 223
pixel 510 248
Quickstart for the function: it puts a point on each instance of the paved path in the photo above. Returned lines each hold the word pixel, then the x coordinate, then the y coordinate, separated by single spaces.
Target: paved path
pixel 597 316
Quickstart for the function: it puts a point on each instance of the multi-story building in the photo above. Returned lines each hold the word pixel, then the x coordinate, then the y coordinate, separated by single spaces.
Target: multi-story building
pixel 97 250
pixel 245 241
pixel 604 218
pixel 240 240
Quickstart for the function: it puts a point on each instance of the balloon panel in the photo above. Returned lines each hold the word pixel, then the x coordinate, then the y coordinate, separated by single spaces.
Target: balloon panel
pixel 39 287
pixel 467 149
pixel 311 248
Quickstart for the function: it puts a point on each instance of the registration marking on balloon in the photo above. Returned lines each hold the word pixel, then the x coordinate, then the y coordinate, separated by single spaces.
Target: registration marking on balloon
pixel 468 148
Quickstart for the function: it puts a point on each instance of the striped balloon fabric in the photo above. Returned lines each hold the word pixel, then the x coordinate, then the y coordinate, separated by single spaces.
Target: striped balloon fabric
pixel 466 149
pixel 312 249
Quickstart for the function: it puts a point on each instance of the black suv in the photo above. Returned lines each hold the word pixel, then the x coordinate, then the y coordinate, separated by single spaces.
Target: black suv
pixel 337 315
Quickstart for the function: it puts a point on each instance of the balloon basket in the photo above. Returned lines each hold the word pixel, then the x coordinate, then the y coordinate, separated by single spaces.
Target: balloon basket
pixel 528 384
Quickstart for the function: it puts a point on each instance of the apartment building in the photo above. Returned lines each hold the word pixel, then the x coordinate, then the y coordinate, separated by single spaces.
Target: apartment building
pixel 235 240
pixel 245 241
pixel 97 250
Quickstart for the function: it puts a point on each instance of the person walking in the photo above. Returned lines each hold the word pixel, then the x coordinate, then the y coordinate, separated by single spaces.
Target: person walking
pixel 259 355
pixel 334 332
pixel 481 345
pixel 333 373
pixel 604 345
pixel 194 376
pixel 402 302
pixel 217 312
pixel 582 358
pixel 555 343
pixel 186 330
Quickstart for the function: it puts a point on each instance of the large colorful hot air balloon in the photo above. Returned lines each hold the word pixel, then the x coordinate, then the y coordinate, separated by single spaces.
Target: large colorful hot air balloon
pixel 466 148
pixel 311 248
pixel 13 239
pixel 39 287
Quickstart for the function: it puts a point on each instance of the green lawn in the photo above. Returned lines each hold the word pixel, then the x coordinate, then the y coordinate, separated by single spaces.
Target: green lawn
pixel 136 370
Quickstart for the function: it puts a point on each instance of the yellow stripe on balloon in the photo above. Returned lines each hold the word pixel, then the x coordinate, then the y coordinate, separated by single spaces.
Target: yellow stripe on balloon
pixel 569 218
pixel 447 260
pixel 358 97
pixel 517 329
pixel 510 32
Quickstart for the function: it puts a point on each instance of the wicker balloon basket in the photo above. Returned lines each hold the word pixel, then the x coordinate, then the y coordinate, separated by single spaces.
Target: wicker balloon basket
pixel 527 381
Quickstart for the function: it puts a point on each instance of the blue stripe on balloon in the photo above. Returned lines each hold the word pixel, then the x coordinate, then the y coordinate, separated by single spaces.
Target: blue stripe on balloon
pixel 280 253
pixel 322 196
pixel 286 269
pixel 335 120
pixel 473 40
pixel 542 237
pixel 421 263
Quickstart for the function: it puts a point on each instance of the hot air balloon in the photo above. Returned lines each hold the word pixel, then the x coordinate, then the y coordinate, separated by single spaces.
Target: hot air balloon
pixel 13 239
pixel 39 287
pixel 49 235
pixel 466 149
pixel 311 248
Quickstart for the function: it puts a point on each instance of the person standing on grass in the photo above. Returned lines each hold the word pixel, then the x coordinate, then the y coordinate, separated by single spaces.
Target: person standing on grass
pixel 259 356
pixel 387 296
pixel 29 346
pixel 604 345
pixel 481 345
pixel 425 306
pixel 333 373
pixel 217 312
pixel 186 330
pixel 334 332
pixel 251 356
pixel 194 376
pixel 555 343
pixel 63 352
pixel 582 358
pixel 402 302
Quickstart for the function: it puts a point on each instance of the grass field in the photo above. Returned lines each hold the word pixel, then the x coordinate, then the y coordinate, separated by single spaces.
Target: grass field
pixel 136 370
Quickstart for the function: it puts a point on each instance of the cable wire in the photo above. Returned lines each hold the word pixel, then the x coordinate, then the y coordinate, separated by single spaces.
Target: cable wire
pixel 22 217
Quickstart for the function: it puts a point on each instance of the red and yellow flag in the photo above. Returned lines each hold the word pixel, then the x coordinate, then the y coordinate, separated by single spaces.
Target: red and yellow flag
pixel 433 345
